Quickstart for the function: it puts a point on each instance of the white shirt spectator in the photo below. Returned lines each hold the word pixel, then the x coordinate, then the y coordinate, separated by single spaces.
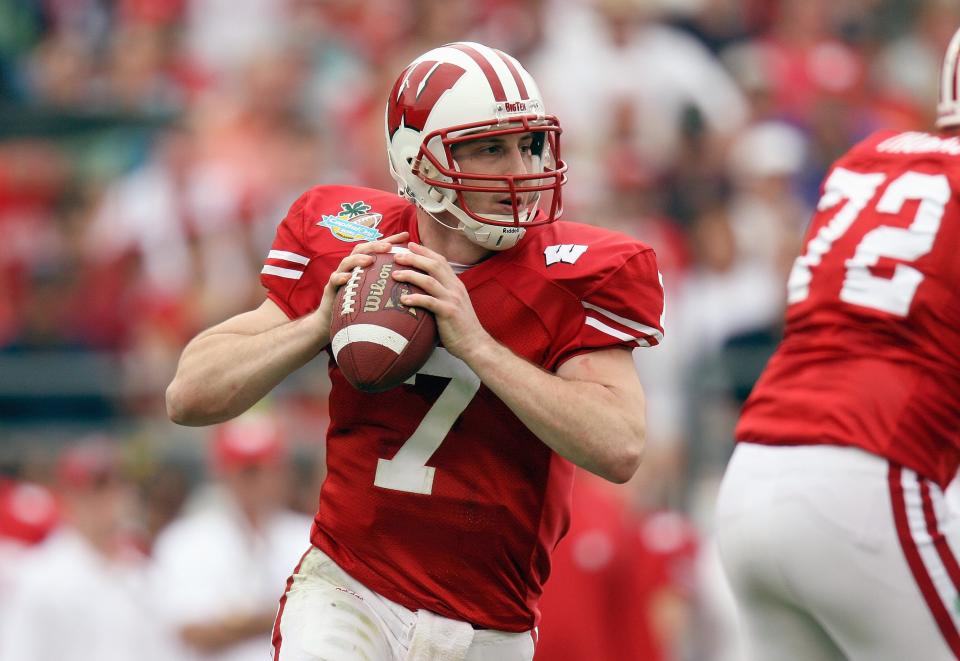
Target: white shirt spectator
pixel 71 603
pixel 212 565
pixel 660 71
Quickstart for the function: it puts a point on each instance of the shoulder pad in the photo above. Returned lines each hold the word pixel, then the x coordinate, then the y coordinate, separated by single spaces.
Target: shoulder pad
pixel 577 256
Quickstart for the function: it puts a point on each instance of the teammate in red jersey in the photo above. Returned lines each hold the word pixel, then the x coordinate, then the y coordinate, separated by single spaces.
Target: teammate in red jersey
pixel 831 517
pixel 445 496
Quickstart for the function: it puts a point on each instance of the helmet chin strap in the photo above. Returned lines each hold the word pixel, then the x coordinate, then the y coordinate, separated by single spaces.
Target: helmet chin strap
pixel 491 237
pixel 458 228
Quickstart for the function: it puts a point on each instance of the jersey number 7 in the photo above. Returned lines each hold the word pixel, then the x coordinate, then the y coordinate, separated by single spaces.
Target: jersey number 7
pixel 860 286
pixel 408 470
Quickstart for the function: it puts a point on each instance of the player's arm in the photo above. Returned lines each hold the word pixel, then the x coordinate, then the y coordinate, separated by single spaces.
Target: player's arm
pixel 228 368
pixel 590 412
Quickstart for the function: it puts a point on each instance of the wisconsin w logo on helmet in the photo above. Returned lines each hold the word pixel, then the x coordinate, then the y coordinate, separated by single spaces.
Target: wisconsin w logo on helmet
pixel 416 92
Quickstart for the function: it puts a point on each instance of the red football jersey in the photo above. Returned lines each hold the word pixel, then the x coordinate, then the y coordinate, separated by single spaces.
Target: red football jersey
pixel 871 352
pixel 436 495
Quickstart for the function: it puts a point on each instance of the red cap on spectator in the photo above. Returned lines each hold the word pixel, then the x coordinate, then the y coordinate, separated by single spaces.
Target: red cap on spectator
pixel 89 462
pixel 28 512
pixel 247 442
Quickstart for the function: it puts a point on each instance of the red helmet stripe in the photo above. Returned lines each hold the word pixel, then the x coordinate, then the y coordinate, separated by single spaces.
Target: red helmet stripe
pixel 495 85
pixel 513 72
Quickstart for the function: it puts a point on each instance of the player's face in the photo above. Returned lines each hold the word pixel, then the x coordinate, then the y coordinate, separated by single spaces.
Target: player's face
pixel 504 154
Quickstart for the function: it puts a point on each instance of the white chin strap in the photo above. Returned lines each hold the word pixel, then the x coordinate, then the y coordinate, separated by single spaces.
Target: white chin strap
pixel 491 237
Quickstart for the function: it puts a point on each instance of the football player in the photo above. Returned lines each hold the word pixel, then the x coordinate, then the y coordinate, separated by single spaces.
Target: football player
pixel 832 526
pixel 445 496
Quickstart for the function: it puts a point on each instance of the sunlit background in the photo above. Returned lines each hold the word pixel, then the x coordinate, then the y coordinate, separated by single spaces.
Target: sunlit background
pixel 149 148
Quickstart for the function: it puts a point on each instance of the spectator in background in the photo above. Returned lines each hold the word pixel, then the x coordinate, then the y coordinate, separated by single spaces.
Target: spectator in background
pixel 906 67
pixel 80 594
pixel 621 583
pixel 28 513
pixel 766 213
pixel 723 294
pixel 617 53
pixel 219 570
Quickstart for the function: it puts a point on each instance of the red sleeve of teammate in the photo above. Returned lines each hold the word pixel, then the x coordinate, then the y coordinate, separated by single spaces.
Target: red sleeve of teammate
pixel 624 309
pixel 286 274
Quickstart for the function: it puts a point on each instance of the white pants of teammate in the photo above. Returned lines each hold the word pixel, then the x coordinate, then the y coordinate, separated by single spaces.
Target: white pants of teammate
pixel 326 615
pixel 834 553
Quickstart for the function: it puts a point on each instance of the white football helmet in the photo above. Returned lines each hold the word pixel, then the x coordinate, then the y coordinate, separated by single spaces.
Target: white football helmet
pixel 460 92
pixel 948 110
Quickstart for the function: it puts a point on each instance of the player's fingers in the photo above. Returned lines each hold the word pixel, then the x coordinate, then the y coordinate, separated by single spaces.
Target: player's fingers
pixel 421 301
pixel 350 262
pixel 421 249
pixel 433 263
pixel 339 278
pixel 416 261
pixel 424 281
pixel 381 245
pixel 399 237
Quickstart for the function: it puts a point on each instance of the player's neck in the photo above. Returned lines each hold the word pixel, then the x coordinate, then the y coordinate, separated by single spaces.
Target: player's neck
pixel 450 243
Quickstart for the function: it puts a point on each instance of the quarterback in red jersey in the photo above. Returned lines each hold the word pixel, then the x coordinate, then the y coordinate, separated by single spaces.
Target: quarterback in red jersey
pixel 445 496
pixel 831 517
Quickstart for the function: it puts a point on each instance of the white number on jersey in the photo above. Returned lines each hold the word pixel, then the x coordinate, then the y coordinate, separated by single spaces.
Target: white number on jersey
pixel 860 286
pixel 407 471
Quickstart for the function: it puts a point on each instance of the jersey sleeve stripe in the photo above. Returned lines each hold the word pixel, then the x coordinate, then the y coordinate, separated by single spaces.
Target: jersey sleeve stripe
pixel 613 332
pixel 288 257
pixel 623 321
pixel 281 272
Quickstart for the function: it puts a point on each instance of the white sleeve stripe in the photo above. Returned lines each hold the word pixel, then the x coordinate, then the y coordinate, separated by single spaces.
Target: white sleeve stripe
pixel 613 332
pixel 646 330
pixel 283 273
pixel 288 257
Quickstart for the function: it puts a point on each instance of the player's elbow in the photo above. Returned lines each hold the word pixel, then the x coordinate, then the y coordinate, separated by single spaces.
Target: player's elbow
pixel 625 462
pixel 182 408
pixel 177 410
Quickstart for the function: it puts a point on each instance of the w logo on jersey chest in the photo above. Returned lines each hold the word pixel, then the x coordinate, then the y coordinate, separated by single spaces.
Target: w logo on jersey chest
pixel 568 253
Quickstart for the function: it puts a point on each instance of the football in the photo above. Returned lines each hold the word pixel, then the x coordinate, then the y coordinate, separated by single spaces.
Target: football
pixel 377 342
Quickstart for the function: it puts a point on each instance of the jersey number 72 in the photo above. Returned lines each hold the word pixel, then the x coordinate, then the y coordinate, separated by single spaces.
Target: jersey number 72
pixel 860 286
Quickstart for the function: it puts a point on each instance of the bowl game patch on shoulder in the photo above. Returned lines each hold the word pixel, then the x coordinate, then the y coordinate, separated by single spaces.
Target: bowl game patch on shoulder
pixel 356 221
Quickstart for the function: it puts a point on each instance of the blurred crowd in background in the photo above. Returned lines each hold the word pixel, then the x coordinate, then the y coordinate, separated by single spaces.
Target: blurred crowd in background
pixel 149 148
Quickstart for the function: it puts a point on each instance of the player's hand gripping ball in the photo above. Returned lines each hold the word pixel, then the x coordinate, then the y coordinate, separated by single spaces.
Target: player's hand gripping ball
pixel 378 342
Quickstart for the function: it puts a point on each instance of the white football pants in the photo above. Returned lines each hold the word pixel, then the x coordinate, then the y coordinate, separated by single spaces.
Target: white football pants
pixel 326 615
pixel 834 553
